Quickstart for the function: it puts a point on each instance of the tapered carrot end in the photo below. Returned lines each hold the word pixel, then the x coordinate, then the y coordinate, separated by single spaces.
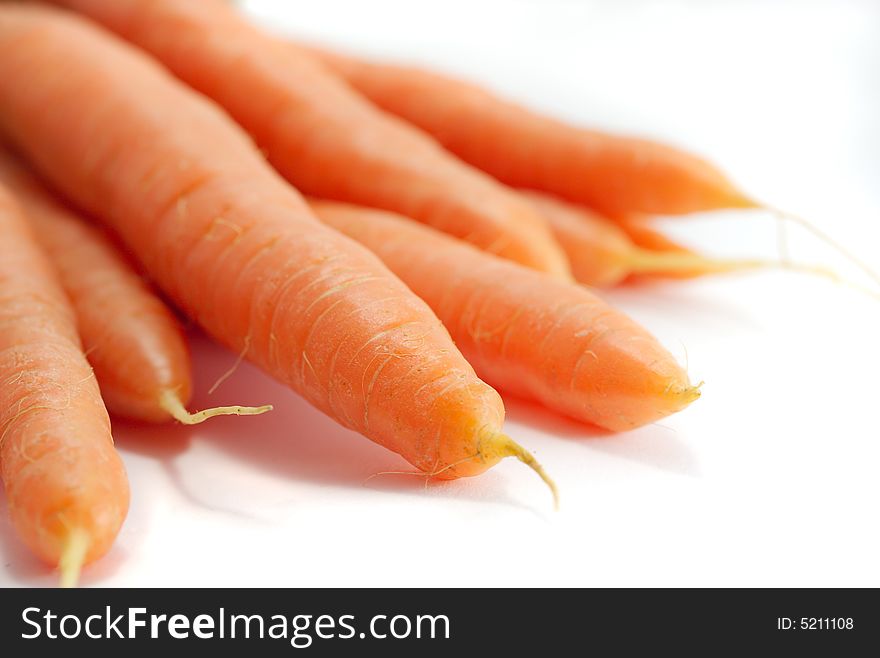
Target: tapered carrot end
pixel 741 201
pixel 682 263
pixel 507 447
pixel 690 394
pixel 171 403
pixel 73 556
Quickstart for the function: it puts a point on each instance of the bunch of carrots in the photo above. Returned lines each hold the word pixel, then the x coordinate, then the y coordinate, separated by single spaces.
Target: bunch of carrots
pixel 441 250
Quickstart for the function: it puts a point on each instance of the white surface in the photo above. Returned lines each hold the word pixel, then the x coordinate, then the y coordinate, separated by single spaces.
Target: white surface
pixel 770 479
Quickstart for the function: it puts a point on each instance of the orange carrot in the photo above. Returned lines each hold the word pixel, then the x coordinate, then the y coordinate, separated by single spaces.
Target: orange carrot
pixel 525 333
pixel 236 247
pixel 321 135
pixel 66 485
pixel 603 254
pixel 599 251
pixel 616 175
pixel 132 340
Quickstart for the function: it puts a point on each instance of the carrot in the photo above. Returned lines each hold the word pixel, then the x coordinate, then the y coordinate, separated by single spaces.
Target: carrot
pixel 603 254
pixel 134 343
pixel 599 251
pixel 65 483
pixel 236 247
pixel 322 136
pixel 525 333
pixel 616 175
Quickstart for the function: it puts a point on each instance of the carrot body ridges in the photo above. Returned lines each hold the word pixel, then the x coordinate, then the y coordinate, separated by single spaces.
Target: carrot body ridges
pixel 322 136
pixel 61 473
pixel 523 332
pixel 132 340
pixel 234 246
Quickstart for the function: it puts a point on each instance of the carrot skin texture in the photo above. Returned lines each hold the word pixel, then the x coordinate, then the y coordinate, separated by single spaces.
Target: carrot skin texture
pixel 615 175
pixel 57 461
pixel 322 136
pixel 525 333
pixel 133 341
pixel 234 246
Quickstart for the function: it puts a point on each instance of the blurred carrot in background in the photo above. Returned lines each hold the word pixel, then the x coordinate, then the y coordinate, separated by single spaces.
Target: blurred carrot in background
pixel 616 175
pixel 325 138
pixel 620 177
pixel 604 253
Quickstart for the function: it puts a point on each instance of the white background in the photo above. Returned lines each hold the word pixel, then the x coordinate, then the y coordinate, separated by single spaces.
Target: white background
pixel 770 479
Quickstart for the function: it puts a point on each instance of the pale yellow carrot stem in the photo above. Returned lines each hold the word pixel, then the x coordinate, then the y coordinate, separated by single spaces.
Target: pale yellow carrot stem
pixel 171 403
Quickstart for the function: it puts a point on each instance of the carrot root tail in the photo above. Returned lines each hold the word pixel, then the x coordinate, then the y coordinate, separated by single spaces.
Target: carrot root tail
pixel 510 448
pixel 649 262
pixel 171 403
pixel 645 261
pixel 827 239
pixel 73 556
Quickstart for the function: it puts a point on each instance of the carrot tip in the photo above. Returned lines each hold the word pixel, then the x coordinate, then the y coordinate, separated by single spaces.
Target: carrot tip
pixel 171 403
pixel 691 393
pixel 73 556
pixel 827 239
pixel 510 448
pixel 644 261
